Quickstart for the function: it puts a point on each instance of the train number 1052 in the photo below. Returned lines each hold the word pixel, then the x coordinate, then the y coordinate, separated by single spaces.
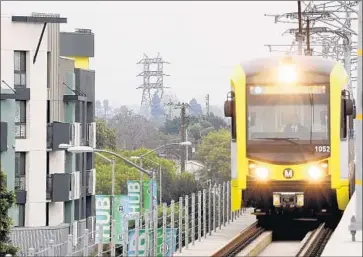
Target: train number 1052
pixel 322 149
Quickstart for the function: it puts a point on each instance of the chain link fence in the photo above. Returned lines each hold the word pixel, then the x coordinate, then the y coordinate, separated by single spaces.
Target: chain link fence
pixel 159 232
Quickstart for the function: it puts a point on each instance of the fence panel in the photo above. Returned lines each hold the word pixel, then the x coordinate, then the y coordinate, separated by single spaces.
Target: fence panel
pixel 168 228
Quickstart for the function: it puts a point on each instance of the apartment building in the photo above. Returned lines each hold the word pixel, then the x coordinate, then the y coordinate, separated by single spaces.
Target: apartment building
pixel 47 101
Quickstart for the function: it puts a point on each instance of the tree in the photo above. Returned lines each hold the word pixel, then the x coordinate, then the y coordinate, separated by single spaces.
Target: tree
pixel 173 184
pixel 157 110
pixel 194 131
pixel 7 199
pixel 105 136
pixel 106 108
pixel 216 122
pixel 185 184
pixel 214 152
pixel 171 126
pixel 99 109
pixel 201 122
pixel 134 131
pixel 195 108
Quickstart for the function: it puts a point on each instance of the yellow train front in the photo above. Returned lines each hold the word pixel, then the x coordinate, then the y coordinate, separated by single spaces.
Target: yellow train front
pixel 291 148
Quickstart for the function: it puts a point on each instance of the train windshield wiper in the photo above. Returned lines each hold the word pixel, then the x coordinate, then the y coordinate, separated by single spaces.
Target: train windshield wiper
pixel 287 139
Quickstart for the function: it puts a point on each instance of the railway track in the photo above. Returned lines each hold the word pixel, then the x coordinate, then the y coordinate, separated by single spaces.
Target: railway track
pixel 317 241
pixel 241 241
pixel 251 243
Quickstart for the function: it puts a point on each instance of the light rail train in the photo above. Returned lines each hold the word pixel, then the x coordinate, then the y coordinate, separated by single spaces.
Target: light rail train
pixel 292 142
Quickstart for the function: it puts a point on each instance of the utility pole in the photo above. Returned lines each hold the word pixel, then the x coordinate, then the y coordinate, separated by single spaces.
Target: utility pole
pixel 207 103
pixel 300 34
pixel 356 220
pixel 182 135
pixel 170 105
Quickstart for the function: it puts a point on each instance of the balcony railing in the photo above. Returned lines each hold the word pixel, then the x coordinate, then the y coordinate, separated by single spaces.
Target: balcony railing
pixel 89 136
pixel 91 181
pixel 58 187
pixel 76 136
pixel 20 183
pixel 58 133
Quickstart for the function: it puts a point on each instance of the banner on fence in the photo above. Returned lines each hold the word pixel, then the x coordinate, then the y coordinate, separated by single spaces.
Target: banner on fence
pixel 147 194
pixel 134 195
pixel 103 217
pixel 120 209
pixel 170 237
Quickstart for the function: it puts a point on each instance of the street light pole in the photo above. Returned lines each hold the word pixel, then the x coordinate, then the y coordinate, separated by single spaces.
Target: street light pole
pixel 161 185
pixel 112 193
pixel 141 187
pixel 113 185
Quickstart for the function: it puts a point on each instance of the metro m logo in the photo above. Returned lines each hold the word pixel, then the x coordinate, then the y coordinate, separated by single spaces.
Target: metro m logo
pixel 288 173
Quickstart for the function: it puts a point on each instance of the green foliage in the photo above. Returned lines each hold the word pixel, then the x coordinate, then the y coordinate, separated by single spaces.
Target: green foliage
pixel 173 184
pixel 7 199
pixel 214 152
pixel 105 136
pixel 197 125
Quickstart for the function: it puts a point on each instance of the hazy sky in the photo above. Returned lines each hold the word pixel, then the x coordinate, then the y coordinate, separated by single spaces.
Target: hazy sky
pixel 203 41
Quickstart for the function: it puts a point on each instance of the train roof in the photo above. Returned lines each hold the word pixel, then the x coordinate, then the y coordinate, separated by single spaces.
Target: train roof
pixel 306 63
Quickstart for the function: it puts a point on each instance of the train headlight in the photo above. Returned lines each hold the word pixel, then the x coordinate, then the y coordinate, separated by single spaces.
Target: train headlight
pixel 261 173
pixel 315 172
pixel 287 73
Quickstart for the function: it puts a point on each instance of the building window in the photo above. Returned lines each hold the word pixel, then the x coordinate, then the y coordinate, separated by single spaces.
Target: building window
pixel 20 171
pixel 19 69
pixel 20 221
pixel 20 119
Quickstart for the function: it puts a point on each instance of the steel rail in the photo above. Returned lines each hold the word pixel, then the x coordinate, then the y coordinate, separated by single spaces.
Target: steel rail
pixel 241 241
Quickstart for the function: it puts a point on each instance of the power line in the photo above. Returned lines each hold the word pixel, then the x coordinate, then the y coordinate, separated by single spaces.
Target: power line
pixel 330 31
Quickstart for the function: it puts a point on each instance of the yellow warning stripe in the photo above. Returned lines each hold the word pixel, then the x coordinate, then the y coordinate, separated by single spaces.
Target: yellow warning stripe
pixel 358 116
pixel 358 182
pixel 359 51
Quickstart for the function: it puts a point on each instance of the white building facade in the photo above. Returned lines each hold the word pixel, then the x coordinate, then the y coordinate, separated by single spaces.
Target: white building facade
pixel 53 187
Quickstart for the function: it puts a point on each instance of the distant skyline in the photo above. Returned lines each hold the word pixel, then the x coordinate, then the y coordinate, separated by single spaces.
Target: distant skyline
pixel 203 41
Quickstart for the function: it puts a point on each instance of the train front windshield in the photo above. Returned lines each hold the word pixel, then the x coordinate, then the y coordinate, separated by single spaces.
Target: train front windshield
pixel 288 125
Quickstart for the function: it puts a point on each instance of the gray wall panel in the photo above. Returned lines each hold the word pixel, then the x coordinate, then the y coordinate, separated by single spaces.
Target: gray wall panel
pixel 85 81
pixel 77 44
pixel 3 136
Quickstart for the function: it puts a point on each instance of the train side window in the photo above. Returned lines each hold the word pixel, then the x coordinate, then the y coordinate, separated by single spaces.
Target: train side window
pixel 348 113
pixel 234 127
pixel 230 111
pixel 343 121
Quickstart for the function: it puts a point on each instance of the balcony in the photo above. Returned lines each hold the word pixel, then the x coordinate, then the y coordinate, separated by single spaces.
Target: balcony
pixel 22 93
pixel 58 133
pixel 20 189
pixel 91 181
pixel 3 136
pixel 58 187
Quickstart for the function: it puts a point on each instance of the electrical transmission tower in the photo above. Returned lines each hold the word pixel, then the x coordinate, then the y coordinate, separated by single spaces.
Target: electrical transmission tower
pixel 153 81
pixel 331 34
